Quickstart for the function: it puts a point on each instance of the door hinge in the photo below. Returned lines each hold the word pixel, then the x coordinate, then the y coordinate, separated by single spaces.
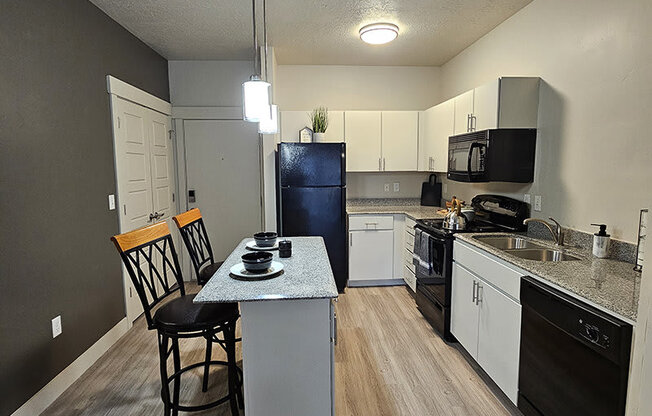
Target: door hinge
pixel 130 294
pixel 172 196
pixel 170 133
pixel 124 208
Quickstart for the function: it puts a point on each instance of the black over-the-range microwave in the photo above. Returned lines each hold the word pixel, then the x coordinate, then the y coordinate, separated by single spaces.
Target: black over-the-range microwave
pixel 496 155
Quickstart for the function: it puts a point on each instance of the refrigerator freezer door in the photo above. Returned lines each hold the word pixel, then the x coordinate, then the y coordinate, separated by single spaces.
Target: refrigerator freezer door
pixel 312 164
pixel 319 212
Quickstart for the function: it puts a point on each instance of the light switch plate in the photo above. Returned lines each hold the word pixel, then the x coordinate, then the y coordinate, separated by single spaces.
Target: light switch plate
pixel 397 186
pixel 56 327
pixel 527 198
pixel 386 187
pixel 111 202
pixel 537 203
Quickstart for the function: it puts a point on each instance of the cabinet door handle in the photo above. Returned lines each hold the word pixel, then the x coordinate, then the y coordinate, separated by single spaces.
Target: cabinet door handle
pixel 380 164
pixel 350 239
pixel 474 122
pixel 478 299
pixel 474 286
pixel 383 164
pixel 468 123
pixel 335 328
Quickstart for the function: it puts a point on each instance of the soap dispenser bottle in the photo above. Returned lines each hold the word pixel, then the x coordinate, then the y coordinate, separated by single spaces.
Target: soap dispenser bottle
pixel 601 242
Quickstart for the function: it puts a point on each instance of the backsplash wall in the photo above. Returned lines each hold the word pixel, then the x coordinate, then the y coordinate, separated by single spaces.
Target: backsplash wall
pixel 372 184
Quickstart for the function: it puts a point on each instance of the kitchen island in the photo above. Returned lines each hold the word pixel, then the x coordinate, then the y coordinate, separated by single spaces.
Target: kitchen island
pixel 288 330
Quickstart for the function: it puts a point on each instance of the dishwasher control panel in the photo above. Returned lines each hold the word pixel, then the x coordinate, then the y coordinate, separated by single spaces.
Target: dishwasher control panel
pixel 593 334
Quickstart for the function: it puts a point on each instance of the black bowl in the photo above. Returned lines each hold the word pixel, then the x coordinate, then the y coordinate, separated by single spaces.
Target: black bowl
pixel 257 262
pixel 265 239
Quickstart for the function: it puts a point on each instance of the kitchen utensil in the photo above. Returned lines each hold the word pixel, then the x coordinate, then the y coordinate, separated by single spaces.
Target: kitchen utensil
pixel 431 192
pixel 258 261
pixel 239 272
pixel 265 239
pixel 454 219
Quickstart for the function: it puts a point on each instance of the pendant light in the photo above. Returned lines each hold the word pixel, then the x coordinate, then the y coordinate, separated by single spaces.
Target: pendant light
pixel 268 125
pixel 255 92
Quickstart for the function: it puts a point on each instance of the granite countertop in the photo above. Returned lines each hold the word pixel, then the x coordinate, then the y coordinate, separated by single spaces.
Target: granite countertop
pixel 409 207
pixel 607 283
pixel 307 275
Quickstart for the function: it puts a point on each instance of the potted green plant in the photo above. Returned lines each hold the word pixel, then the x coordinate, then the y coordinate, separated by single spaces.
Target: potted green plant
pixel 319 118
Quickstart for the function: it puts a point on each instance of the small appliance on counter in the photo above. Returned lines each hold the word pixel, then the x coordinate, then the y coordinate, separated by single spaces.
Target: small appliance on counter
pixel 431 192
pixel 433 253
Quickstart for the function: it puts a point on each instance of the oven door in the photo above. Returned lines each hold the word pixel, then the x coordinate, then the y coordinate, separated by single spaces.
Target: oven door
pixel 467 159
pixel 433 266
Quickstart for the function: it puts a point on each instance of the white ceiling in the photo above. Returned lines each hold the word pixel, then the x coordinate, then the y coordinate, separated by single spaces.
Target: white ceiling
pixel 320 32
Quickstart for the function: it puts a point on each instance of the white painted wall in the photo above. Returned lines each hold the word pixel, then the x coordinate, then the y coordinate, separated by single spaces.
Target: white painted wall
pixel 304 87
pixel 594 159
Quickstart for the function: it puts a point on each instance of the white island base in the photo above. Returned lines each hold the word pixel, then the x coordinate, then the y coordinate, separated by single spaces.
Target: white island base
pixel 288 357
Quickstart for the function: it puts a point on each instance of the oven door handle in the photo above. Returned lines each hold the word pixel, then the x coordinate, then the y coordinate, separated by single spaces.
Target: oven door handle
pixel 474 145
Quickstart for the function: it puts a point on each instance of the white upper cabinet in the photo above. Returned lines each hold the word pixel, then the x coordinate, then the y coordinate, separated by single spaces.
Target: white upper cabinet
pixel 381 141
pixel 399 140
pixel 485 106
pixel 508 102
pixel 363 141
pixel 293 121
pixel 335 129
pixel 463 112
pixel 436 125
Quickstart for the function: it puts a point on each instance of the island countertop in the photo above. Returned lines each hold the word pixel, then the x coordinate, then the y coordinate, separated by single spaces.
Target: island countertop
pixel 307 275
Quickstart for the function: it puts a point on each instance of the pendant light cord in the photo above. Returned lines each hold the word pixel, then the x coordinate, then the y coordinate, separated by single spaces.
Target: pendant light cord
pixel 256 63
pixel 265 36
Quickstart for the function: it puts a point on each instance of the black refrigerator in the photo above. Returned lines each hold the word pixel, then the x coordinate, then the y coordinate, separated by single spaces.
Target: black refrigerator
pixel 311 198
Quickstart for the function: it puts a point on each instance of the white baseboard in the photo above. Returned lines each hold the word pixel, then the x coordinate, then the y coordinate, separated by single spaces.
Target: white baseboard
pixel 48 394
pixel 376 282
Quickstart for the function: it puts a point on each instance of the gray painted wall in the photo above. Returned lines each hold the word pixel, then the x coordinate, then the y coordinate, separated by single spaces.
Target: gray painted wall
pixel 56 170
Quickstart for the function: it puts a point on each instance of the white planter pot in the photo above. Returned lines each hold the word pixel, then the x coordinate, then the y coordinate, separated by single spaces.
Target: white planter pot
pixel 319 137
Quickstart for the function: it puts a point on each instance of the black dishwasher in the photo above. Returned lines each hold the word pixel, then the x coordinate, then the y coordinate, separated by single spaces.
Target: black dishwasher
pixel 574 358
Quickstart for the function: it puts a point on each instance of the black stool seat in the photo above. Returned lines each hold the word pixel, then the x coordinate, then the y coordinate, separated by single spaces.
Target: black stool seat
pixel 181 314
pixel 208 271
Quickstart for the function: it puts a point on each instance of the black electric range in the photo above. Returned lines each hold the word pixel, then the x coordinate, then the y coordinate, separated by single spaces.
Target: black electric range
pixel 433 253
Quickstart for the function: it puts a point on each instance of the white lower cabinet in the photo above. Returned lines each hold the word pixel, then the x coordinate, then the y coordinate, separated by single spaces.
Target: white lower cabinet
pixel 485 318
pixel 409 275
pixel 499 337
pixel 371 248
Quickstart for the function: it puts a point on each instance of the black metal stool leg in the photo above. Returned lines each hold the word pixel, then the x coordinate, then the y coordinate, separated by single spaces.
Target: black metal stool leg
pixel 207 366
pixel 229 337
pixel 165 388
pixel 177 380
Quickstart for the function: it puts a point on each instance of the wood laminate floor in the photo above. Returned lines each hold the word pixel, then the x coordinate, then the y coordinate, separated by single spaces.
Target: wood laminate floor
pixel 389 361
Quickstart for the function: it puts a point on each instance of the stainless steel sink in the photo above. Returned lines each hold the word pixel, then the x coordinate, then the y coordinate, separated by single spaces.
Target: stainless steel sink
pixel 542 254
pixel 507 242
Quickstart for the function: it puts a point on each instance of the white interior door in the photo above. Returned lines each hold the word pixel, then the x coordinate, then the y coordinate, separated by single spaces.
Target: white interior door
pixel 144 171
pixel 223 169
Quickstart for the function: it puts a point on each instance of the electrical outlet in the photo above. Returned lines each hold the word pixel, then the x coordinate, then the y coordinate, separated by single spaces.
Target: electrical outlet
pixel 397 186
pixel 527 198
pixel 56 327
pixel 537 203
pixel 111 202
pixel 386 187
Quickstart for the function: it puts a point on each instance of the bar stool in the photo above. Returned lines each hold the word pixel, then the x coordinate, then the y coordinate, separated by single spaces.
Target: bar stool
pixel 193 232
pixel 149 256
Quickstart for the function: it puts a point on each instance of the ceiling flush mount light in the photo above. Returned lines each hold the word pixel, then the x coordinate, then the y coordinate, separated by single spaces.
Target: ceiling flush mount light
pixel 379 33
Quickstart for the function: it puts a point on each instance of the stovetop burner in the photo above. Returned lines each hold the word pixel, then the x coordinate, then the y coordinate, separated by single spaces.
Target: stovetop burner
pixel 437 225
